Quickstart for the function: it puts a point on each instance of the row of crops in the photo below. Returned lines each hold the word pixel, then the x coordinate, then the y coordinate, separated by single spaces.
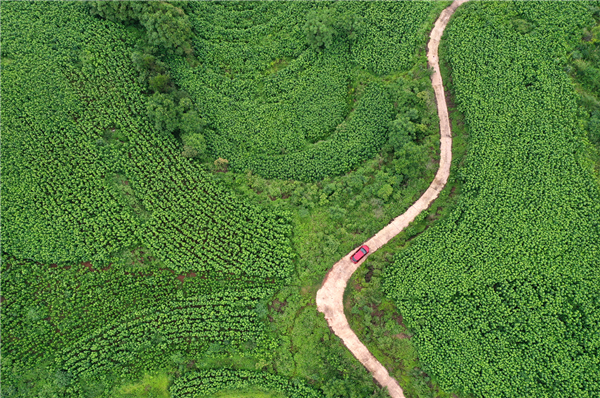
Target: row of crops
pixel 144 338
pixel 503 295
pixel 208 382
pixel 90 326
pixel 107 326
pixel 284 109
pixel 73 124
pixel 87 178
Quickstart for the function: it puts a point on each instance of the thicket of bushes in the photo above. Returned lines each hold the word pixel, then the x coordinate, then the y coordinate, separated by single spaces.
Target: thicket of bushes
pixel 165 30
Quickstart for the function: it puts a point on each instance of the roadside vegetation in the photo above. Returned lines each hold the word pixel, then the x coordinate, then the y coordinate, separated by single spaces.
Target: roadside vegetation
pixel 374 317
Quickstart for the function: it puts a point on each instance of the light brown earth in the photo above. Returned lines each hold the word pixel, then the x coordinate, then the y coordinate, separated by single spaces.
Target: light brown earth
pixel 330 296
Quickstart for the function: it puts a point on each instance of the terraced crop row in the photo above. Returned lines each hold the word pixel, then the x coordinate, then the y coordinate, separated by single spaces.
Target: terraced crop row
pixel 213 381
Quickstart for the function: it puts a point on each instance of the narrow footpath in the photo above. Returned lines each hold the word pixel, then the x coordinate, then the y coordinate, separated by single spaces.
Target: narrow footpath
pixel 330 295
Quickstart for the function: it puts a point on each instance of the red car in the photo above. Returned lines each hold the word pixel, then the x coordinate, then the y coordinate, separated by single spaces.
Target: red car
pixel 364 249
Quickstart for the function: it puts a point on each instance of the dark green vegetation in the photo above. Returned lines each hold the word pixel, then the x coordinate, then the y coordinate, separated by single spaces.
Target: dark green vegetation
pixel 502 295
pixel 286 107
pixel 122 257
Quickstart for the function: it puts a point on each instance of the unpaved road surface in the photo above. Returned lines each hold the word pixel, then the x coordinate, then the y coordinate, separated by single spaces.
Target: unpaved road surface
pixel 330 296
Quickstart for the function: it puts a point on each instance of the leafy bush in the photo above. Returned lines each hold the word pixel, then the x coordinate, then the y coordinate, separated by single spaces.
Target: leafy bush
pixel 322 26
pixel 166 24
pixel 193 144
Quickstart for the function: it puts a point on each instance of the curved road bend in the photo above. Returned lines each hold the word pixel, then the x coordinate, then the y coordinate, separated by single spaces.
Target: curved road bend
pixel 330 296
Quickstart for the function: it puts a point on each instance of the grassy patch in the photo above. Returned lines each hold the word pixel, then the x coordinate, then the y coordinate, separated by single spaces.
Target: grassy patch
pixel 584 68
pixel 150 386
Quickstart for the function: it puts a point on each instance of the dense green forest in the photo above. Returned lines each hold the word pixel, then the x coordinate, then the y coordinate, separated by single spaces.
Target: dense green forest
pixel 502 295
pixel 178 177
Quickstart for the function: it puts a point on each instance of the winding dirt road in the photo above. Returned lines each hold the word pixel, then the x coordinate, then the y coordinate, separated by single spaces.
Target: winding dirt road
pixel 330 296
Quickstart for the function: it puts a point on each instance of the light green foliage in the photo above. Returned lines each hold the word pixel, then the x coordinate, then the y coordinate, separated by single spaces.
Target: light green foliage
pixel 246 393
pixel 385 191
pixel 310 351
pixel 379 326
pixel 151 386
pixel 351 143
pixel 146 339
pixel 58 323
pixel 193 144
pixel 320 28
pixel 502 294
pixel 287 110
